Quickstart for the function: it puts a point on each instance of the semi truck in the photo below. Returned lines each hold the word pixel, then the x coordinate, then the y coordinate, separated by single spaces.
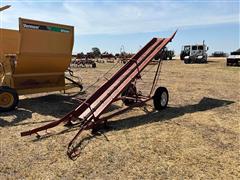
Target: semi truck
pixel 196 53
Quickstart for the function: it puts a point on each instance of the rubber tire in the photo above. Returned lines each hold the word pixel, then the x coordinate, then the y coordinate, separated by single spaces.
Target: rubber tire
pixel 204 61
pixel 157 98
pixel 237 63
pixel 15 96
pixel 182 56
pixel 94 65
pixel 187 61
pixel 129 102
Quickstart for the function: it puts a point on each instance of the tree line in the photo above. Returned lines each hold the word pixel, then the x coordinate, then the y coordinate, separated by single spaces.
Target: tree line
pixel 96 53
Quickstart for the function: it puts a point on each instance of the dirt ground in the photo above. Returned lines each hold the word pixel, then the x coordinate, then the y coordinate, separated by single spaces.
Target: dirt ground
pixel 197 136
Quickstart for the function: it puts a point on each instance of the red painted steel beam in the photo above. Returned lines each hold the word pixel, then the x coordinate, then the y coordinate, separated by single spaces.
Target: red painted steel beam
pixel 80 109
pixel 94 106
pixel 4 7
pixel 120 80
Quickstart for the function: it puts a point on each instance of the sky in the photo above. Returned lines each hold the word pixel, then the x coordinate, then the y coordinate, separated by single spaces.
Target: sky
pixel 109 24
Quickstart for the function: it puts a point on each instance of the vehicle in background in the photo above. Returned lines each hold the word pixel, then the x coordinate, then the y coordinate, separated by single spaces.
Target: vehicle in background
pixel 83 60
pixel 165 54
pixel 194 53
pixel 219 54
pixel 234 58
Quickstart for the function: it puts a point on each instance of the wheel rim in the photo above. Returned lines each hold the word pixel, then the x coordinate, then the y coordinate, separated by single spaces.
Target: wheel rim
pixel 164 98
pixel 6 100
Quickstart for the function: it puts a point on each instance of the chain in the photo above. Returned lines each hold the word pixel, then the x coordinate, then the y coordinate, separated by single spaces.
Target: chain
pixel 104 76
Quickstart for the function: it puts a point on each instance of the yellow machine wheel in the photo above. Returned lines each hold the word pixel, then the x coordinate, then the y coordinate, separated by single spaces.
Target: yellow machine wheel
pixel 8 99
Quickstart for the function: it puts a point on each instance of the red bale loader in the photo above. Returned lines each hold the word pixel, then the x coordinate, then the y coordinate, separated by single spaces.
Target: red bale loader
pixel 119 87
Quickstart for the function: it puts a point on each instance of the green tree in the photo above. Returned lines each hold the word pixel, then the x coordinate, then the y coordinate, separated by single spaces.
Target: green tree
pixel 96 52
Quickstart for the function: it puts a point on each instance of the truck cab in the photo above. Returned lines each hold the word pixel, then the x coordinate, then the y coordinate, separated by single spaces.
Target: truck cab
pixel 194 53
pixel 234 58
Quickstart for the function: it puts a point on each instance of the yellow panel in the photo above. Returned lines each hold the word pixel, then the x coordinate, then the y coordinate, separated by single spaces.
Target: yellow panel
pixel 38 81
pixel 41 63
pixel 44 47
pixel 43 51
pixel 9 41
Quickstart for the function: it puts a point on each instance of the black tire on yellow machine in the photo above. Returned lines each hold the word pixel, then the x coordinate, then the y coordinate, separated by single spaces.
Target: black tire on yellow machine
pixel 8 99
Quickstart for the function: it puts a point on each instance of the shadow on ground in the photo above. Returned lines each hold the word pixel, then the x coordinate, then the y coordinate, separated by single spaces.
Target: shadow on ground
pixel 210 61
pixel 53 105
pixel 168 114
pixel 154 116
pixel 56 105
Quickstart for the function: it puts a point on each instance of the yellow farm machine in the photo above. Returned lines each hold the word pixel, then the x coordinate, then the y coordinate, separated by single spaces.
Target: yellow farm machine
pixel 34 59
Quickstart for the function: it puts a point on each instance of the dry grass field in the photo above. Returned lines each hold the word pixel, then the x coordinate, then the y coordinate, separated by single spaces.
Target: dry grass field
pixel 196 137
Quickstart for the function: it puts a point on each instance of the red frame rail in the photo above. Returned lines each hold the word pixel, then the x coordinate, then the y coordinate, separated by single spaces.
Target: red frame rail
pixel 89 111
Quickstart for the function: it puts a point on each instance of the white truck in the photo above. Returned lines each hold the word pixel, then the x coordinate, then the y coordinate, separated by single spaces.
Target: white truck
pixel 194 53
pixel 234 58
